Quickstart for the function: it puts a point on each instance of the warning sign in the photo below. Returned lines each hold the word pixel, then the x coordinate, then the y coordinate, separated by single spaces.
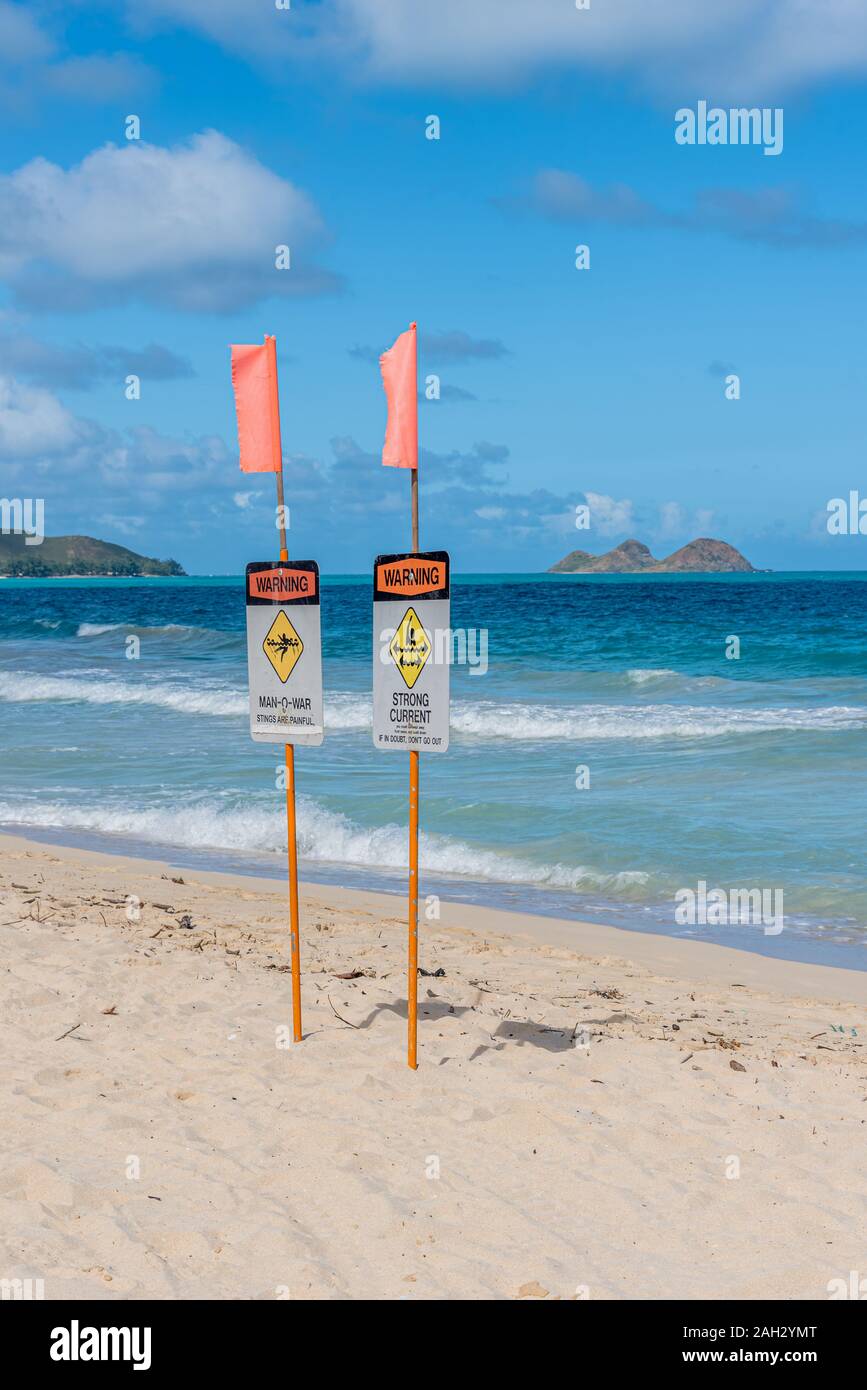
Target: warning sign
pixel 282 646
pixel 284 652
pixel 411 648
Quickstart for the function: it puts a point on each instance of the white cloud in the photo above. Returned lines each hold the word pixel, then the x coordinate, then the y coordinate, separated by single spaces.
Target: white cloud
pixel 774 216
pixel 33 65
pixel 740 45
pixel 608 516
pixel 676 522
pixel 33 422
pixel 21 39
pixel 166 491
pixel 125 525
pixel 98 77
pixel 195 225
pixel 78 367
pixel 672 519
pixel 492 39
pixel 90 474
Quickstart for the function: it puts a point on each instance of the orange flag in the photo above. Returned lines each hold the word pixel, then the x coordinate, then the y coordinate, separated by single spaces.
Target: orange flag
pixel 254 378
pixel 399 367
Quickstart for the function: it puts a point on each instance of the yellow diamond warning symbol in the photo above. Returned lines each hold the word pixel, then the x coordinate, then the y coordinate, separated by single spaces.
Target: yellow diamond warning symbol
pixel 410 647
pixel 282 646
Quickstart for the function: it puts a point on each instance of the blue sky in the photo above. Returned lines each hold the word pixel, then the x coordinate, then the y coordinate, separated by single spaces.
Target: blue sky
pixel 306 126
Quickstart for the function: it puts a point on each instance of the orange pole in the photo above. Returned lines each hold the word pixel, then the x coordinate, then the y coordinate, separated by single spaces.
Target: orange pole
pixel 414 497
pixel 294 939
pixel 291 839
pixel 412 968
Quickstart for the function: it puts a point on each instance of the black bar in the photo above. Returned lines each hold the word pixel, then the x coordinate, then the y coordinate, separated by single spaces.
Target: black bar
pixel 648 1337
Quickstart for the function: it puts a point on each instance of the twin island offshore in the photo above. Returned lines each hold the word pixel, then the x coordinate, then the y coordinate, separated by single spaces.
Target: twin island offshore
pixel 703 556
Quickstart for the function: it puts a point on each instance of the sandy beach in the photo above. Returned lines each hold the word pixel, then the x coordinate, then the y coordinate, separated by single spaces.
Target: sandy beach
pixel 597 1114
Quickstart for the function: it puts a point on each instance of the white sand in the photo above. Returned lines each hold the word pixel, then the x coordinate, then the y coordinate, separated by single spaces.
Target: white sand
pixel 512 1160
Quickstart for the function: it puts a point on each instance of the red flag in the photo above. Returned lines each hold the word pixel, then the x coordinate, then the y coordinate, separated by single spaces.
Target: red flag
pixel 399 367
pixel 254 378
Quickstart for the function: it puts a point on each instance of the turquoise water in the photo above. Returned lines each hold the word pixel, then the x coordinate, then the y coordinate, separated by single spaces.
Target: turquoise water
pixel 741 773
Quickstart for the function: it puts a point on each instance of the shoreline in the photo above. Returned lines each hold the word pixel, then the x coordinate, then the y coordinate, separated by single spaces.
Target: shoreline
pixel 41 577
pixel 529 901
pixel 689 960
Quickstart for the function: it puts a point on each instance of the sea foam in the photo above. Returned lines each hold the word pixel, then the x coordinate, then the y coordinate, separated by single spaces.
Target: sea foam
pixel 324 836
pixel 346 711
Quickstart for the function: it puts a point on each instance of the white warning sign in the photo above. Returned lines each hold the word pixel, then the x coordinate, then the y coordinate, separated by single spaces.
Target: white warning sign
pixel 411 648
pixel 284 652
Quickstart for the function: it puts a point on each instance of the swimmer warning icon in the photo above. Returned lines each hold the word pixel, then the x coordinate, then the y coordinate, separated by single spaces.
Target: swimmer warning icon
pixel 282 646
pixel 410 647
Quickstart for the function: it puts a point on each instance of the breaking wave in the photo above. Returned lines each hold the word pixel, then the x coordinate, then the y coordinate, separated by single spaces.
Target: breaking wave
pixel 323 836
pixel 482 719
pixel 597 721
pixel 186 699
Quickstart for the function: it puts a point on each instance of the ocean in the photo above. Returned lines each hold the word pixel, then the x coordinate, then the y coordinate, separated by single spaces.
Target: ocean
pixel 618 750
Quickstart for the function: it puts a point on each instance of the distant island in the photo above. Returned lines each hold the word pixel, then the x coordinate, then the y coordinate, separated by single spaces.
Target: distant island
pixel 702 556
pixel 65 556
